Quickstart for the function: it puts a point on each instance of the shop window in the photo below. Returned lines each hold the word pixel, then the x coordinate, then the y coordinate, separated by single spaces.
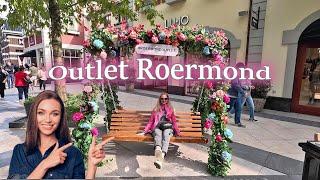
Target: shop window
pixel 72 58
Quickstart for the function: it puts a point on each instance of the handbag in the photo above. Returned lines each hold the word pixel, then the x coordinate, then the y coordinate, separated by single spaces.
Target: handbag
pixel 28 81
pixel 165 124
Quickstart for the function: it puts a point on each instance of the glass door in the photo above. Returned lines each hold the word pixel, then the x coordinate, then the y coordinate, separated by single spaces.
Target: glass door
pixel 306 94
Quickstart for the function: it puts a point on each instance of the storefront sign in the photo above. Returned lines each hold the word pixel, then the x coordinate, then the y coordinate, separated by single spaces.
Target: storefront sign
pixel 181 21
pixel 156 49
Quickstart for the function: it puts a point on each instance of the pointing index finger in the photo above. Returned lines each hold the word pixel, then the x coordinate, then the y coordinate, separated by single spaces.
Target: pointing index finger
pixel 105 141
pixel 65 147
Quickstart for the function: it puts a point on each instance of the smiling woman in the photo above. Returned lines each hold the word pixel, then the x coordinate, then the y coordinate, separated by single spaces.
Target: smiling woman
pixel 47 151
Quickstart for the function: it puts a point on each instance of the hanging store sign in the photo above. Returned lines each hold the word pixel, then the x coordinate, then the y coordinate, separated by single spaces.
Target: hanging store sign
pixel 156 49
pixel 181 21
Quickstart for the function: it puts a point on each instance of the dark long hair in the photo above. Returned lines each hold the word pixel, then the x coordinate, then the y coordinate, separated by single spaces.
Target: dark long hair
pixel 32 134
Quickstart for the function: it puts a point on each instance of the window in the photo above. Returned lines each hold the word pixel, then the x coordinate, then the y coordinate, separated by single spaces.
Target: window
pixel 73 28
pixel 72 58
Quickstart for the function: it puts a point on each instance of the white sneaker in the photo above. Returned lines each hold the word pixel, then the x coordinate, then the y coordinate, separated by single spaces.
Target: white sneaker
pixel 158 164
pixel 158 154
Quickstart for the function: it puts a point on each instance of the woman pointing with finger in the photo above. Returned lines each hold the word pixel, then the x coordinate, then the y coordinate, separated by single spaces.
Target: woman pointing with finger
pixel 47 151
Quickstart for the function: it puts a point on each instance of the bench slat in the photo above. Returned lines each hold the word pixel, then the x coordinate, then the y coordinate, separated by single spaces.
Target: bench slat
pixel 148 138
pixel 125 125
pixel 146 120
pixel 148 115
pixel 143 124
pixel 124 128
pixel 149 112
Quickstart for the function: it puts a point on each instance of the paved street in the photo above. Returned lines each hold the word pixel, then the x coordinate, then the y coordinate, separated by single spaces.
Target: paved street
pixel 267 147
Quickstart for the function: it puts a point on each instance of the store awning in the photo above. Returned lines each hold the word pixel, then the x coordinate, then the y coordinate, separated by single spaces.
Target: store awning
pixel 29 54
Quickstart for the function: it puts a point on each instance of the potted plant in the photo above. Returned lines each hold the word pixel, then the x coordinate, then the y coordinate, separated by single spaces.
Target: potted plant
pixel 260 92
pixel 27 104
pixel 131 73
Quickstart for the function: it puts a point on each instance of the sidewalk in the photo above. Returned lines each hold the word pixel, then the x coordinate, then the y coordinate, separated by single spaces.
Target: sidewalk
pixel 267 147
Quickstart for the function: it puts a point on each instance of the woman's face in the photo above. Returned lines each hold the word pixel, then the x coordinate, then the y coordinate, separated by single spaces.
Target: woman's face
pixel 48 116
pixel 164 99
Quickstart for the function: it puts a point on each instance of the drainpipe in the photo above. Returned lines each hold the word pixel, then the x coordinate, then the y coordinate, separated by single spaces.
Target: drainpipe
pixel 248 32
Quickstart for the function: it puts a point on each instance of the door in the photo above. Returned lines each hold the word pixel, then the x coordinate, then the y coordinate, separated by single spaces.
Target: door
pixel 306 93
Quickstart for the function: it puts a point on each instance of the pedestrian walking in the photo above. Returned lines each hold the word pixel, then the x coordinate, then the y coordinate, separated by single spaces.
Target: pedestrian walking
pixel 22 83
pixel 9 68
pixel 3 78
pixel 236 94
pixel 247 87
pixel 33 75
pixel 42 75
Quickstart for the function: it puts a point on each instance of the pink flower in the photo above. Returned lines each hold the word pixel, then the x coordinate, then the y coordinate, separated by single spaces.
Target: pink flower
pixel 139 41
pixel 95 131
pixel 149 33
pixel 154 39
pixel 218 138
pixel 220 93
pixel 87 89
pixel 218 57
pixel 133 35
pixel 159 26
pixel 213 95
pixel 103 55
pixel 198 37
pixel 209 84
pixel 86 43
pixel 181 36
pixel 78 116
pixel 226 99
pixel 208 124
pixel 225 119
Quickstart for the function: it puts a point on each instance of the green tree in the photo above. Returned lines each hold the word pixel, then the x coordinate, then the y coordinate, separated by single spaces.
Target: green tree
pixel 33 15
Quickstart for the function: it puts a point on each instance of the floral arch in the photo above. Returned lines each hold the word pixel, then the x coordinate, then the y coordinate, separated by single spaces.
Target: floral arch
pixel 212 100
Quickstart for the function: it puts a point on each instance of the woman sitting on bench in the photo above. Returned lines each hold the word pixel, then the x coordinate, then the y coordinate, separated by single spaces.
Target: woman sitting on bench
pixel 162 124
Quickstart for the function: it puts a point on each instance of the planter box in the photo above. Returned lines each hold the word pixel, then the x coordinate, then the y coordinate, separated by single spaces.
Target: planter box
pixel 259 104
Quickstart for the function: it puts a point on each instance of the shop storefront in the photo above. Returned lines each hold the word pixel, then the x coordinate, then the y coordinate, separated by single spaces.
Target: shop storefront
pixel 306 93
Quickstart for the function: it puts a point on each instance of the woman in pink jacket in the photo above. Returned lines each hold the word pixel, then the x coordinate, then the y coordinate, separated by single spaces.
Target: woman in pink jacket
pixel 162 125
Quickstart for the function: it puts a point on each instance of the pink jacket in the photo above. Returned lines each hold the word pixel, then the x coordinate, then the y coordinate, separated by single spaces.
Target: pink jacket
pixel 155 118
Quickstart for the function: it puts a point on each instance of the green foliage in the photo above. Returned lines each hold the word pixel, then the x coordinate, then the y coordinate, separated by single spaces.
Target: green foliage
pixel 73 104
pixel 83 132
pixel 32 15
pixel 102 35
pixel 213 109
pixel 261 88
pixel 29 101
pixel 111 101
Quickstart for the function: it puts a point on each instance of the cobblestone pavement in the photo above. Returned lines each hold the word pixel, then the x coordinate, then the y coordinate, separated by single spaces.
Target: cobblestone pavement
pixel 267 147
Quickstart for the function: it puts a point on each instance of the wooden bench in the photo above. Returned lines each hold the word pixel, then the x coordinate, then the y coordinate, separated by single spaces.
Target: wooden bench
pixel 126 124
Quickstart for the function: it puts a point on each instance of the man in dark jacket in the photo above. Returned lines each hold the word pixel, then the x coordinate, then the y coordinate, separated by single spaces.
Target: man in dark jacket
pixel 2 82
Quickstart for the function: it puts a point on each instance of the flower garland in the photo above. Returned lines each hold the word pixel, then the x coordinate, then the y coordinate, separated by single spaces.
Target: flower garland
pixel 84 130
pixel 194 40
pixel 213 107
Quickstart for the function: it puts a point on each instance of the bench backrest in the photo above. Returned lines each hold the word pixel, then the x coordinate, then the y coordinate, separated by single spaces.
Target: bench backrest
pixel 132 122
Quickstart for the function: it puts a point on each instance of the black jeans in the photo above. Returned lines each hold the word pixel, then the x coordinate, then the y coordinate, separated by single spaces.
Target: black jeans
pixel 42 84
pixel 23 90
pixel 2 87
